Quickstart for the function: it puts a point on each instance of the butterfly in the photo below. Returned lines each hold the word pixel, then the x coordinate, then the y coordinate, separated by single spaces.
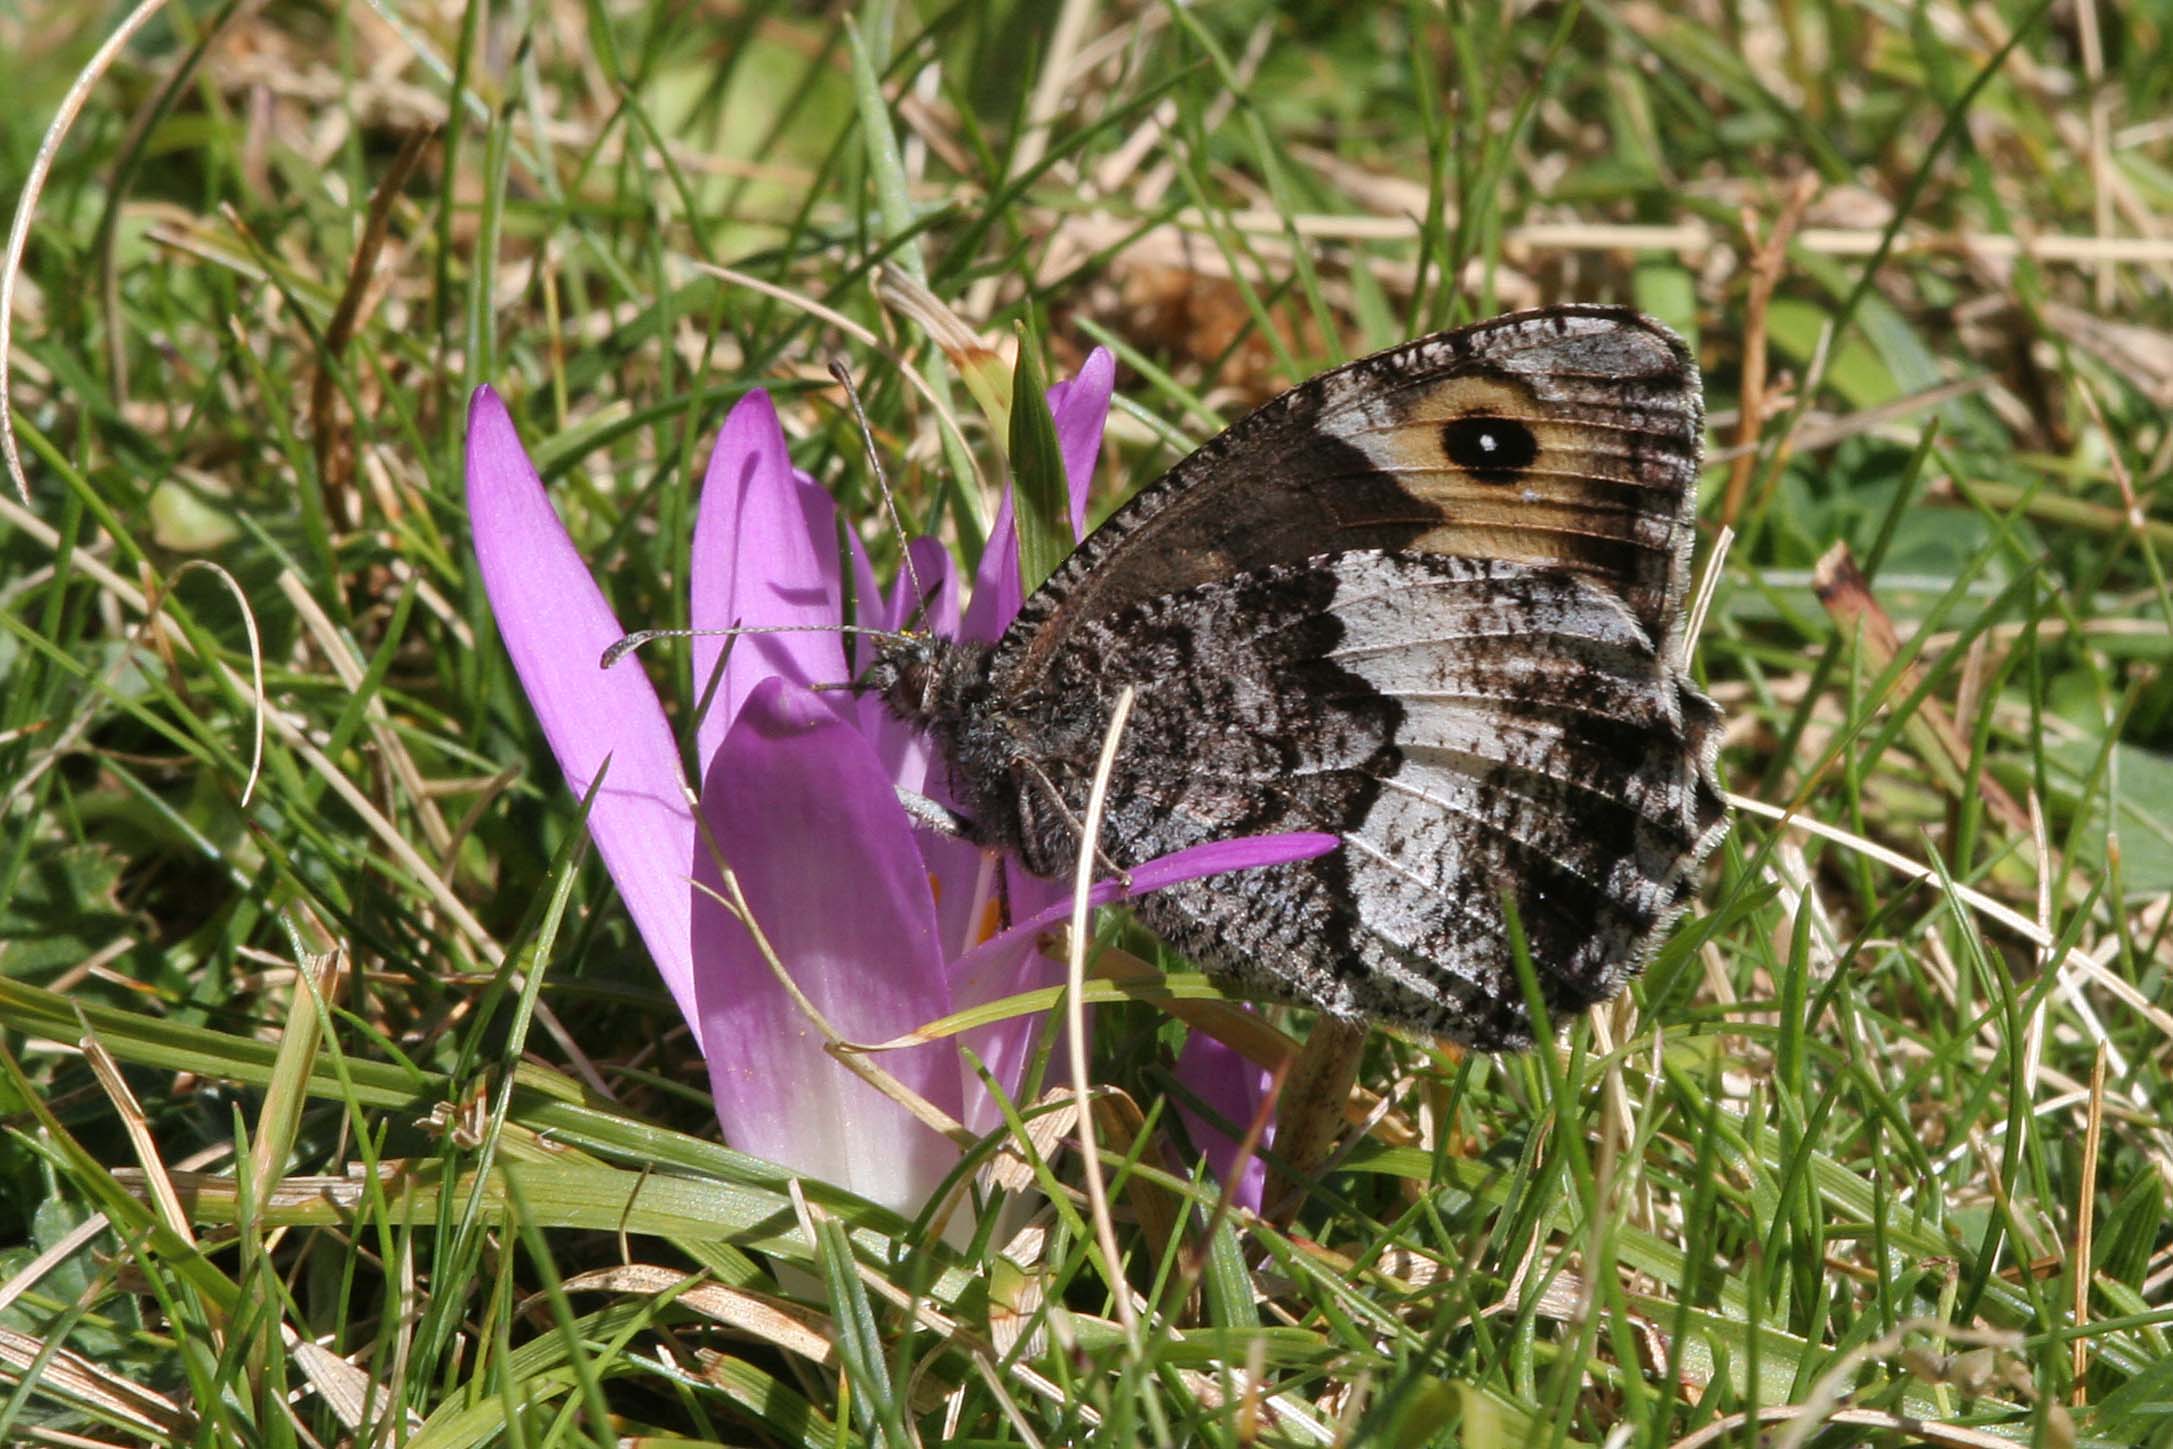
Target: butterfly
pixel 1430 602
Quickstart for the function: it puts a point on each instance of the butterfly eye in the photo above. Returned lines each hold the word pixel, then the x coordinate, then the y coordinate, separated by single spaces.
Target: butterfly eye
pixel 1492 449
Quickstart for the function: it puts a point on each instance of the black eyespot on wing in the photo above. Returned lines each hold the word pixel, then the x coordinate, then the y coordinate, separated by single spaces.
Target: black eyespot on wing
pixel 1491 449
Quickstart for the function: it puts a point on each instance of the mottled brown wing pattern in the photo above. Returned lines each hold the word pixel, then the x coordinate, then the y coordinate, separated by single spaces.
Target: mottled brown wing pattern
pixel 1476 731
pixel 1566 438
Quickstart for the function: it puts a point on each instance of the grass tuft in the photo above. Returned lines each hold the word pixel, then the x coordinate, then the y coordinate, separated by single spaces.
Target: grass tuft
pixel 343 1104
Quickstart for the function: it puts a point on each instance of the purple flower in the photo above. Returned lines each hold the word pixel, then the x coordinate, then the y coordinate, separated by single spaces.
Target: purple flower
pixel 881 927
pixel 1234 1087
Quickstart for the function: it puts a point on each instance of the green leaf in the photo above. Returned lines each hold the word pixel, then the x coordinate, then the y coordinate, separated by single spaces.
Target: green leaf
pixel 1041 498
pixel 1226 1283
pixel 1493 1420
pixel 2141 780
pixel 859 1336
pixel 64 907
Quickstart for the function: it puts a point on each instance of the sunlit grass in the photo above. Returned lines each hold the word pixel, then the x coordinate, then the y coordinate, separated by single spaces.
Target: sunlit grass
pixel 353 1112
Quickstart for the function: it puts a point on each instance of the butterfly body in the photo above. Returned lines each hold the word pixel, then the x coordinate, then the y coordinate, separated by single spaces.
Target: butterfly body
pixel 1428 602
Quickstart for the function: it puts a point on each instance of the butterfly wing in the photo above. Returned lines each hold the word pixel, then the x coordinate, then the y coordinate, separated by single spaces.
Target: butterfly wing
pixel 1429 602
pixel 1566 438
pixel 1475 731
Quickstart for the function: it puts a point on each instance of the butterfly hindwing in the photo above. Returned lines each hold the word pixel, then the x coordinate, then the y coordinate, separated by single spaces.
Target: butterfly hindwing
pixel 1472 730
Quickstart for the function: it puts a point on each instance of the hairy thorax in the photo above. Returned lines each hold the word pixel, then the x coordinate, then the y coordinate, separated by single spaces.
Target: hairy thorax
pixel 1009 772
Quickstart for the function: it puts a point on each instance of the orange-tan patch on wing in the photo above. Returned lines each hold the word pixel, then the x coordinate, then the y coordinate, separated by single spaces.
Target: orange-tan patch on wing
pixel 1495 473
pixel 1578 454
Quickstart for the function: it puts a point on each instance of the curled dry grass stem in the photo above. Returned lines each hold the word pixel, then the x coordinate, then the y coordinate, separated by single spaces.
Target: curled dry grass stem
pixel 1075 1012
pixel 26 205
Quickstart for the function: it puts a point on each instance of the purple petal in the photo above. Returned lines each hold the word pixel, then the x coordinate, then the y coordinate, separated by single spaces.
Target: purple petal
pixel 1007 967
pixel 556 625
pixel 997 588
pixel 931 565
pixel 896 608
pixel 1010 967
pixel 1081 410
pixel 870 610
pixel 1217 857
pixel 764 553
pixel 1012 963
pixel 1233 1088
pixel 1033 897
pixel 804 814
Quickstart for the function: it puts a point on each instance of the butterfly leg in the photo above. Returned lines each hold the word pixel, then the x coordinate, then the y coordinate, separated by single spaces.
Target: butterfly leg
pixel 1036 792
pixel 936 816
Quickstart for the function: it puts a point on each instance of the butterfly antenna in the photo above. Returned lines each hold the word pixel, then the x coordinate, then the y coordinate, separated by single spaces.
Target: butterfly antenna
pixel 844 375
pixel 628 643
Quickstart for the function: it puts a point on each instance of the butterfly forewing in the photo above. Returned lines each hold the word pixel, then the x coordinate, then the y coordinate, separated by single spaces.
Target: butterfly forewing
pixel 1566 438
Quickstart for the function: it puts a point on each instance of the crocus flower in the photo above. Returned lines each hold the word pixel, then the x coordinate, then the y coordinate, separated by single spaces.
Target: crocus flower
pixel 882 927
pixel 1233 1087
